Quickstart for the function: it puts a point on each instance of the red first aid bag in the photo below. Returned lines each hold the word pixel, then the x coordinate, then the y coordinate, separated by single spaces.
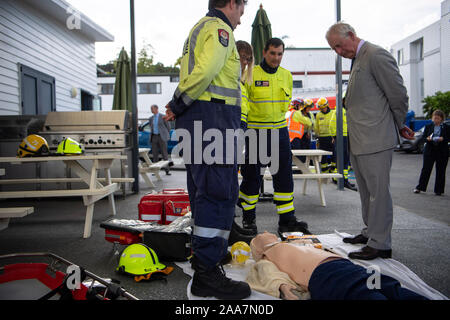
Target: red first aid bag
pixel 164 207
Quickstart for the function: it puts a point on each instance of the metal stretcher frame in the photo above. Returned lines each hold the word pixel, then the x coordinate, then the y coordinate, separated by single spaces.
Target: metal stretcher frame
pixel 57 259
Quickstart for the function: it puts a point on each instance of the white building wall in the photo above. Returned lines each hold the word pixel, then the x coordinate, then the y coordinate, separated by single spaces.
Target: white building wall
pixel 434 69
pixel 29 37
pixel 445 45
pixel 316 68
pixel 144 101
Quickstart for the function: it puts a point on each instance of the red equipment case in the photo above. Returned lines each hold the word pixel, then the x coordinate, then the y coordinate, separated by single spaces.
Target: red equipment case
pixel 163 207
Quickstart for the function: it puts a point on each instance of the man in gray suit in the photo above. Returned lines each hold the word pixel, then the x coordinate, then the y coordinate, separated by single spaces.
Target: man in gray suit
pixel 376 103
pixel 159 135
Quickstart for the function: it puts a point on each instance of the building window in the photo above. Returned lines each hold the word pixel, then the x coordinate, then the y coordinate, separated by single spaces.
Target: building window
pixel 38 95
pixel 149 88
pixel 416 49
pixel 174 78
pixel 298 84
pixel 421 49
pixel 400 57
pixel 106 88
pixel 422 88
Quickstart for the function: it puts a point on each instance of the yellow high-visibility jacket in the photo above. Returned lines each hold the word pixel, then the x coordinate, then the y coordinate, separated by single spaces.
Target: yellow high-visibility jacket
pixel 210 66
pixel 244 103
pixel 322 126
pixel 333 125
pixel 269 97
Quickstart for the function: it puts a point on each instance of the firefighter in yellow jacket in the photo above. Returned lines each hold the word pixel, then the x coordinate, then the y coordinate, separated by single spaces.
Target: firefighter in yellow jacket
pixel 346 164
pixel 269 96
pixel 209 97
pixel 298 125
pixel 323 131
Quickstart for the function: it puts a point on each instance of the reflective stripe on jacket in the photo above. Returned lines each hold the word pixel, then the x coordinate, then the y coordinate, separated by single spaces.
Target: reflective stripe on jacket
pixel 244 103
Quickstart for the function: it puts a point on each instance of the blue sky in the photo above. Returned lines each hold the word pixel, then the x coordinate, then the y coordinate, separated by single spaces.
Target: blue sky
pixel 166 24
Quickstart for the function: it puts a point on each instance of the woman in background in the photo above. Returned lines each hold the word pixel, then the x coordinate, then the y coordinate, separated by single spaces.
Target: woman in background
pixel 246 55
pixel 245 51
pixel 437 135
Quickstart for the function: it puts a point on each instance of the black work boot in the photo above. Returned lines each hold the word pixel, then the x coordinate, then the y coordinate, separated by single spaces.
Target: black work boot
pixel 250 225
pixel 226 259
pixel 244 231
pixel 349 185
pixel 293 226
pixel 212 282
pixel 240 234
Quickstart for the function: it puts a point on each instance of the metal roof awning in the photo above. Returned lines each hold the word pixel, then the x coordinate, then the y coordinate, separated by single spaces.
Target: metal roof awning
pixel 61 11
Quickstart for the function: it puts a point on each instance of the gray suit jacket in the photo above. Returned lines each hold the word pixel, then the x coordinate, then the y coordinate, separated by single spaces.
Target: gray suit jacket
pixel 376 101
pixel 163 127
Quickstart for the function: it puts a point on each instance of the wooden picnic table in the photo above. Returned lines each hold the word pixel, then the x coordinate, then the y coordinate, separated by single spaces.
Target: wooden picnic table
pixel 314 155
pixel 147 166
pixel 98 188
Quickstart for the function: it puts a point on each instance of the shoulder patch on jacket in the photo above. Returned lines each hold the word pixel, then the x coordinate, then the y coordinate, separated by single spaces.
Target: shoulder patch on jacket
pixel 224 37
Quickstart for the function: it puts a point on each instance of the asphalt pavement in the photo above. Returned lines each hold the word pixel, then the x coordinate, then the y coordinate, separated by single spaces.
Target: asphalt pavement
pixel 421 232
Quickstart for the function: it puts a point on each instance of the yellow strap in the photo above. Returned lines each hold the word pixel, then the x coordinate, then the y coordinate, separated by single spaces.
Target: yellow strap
pixel 166 271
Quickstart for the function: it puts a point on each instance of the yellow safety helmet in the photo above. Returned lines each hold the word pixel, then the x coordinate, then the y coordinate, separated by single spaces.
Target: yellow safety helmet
pixel 308 103
pixel 141 261
pixel 240 252
pixel 33 146
pixel 69 147
pixel 322 103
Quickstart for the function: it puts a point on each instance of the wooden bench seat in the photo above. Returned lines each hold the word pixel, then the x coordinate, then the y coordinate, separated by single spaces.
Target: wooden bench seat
pixel 18 212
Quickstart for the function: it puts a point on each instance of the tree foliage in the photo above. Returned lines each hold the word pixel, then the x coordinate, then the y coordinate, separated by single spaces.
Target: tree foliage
pixel 145 64
pixel 440 100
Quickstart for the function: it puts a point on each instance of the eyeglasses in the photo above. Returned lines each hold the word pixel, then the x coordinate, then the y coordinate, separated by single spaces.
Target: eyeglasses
pixel 246 58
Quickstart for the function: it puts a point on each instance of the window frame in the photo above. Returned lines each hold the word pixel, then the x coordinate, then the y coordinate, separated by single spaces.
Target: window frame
pixel 158 86
pixel 112 85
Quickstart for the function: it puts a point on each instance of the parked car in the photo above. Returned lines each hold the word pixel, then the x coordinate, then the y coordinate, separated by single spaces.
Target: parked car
pixel 144 137
pixel 418 143
pixel 415 145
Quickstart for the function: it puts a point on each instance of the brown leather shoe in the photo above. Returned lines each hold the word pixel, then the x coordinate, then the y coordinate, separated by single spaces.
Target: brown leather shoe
pixel 356 240
pixel 369 253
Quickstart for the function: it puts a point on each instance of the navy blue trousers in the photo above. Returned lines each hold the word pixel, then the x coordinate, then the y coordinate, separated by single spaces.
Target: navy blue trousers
pixel 343 280
pixel 301 144
pixel 213 188
pixel 346 154
pixel 283 182
pixel 326 143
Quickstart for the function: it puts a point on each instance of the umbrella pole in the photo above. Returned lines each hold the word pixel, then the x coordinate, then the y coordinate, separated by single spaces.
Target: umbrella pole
pixel 135 154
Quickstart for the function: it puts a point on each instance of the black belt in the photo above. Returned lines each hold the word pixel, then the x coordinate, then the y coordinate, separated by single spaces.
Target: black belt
pixel 220 101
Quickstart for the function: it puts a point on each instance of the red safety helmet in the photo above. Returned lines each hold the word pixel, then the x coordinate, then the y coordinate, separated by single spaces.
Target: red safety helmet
pixel 298 102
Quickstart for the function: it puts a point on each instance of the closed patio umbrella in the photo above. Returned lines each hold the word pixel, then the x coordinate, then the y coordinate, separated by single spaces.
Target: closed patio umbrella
pixel 261 32
pixel 122 87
